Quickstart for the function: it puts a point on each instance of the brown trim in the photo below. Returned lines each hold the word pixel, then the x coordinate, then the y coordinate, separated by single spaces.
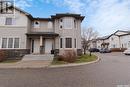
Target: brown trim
pixel 58 16
pixel 45 34
pixel 42 19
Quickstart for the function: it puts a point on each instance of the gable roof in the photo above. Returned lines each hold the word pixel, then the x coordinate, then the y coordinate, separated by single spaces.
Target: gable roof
pixel 104 37
pixel 123 33
pixel 44 19
pixel 77 16
pixel 18 9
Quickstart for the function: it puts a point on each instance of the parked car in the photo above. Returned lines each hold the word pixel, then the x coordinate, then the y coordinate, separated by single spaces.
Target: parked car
pixel 127 52
pixel 105 50
pixel 93 50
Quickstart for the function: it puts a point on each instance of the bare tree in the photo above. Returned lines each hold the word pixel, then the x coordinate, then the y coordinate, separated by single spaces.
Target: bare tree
pixel 87 36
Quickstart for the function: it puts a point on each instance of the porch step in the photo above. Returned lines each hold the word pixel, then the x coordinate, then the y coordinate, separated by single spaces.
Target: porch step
pixel 38 57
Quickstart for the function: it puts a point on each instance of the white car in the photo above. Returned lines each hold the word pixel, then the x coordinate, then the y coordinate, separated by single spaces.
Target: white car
pixel 127 52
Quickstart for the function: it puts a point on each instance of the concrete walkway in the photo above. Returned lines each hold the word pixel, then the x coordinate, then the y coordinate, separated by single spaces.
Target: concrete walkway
pixel 27 64
pixel 31 61
pixel 41 57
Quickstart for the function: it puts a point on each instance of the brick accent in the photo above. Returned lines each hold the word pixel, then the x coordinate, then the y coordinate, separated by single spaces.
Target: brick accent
pixel 15 53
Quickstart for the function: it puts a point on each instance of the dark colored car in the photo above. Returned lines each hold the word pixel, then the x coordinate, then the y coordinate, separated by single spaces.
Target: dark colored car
pixel 105 50
pixel 93 50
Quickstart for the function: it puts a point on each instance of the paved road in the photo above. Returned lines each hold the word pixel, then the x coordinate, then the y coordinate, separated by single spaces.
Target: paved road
pixel 112 70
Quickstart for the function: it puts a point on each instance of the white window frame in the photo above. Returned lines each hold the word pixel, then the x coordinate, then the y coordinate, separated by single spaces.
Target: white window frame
pixel 2 43
pixel 61 23
pixel 8 41
pixel 8 18
pixel 18 43
pixel 36 26
pixel 71 43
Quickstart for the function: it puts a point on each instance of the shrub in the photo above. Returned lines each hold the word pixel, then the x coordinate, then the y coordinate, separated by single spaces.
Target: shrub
pixel 60 58
pixel 68 56
pixel 2 56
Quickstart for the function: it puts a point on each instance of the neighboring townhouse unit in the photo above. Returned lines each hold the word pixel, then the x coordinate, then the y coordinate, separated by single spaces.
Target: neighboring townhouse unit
pixel 120 40
pixel 124 38
pixel 97 43
pixel 101 41
pixel 24 33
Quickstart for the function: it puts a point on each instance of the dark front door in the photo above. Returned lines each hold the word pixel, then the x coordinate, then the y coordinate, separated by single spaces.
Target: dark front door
pixel 32 46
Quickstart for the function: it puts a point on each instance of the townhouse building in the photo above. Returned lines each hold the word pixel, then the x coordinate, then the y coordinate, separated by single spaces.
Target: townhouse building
pixel 20 32
pixel 120 40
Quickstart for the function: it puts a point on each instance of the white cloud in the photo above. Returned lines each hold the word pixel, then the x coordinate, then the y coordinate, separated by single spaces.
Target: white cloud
pixel 110 16
pixel 75 6
pixel 23 3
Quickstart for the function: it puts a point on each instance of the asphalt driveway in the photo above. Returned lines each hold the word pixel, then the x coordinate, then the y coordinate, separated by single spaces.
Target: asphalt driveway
pixel 112 70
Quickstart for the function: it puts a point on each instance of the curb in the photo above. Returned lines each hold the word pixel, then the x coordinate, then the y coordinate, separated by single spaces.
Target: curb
pixel 47 66
pixel 74 64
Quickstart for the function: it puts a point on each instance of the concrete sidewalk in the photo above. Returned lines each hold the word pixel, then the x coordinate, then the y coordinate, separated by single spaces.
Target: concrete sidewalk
pixel 27 64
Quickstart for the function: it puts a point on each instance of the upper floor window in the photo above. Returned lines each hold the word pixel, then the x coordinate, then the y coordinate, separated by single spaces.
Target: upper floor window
pixel 74 23
pixel 68 23
pixel 9 21
pixel 112 38
pixel 61 20
pixel 36 24
pixel 49 24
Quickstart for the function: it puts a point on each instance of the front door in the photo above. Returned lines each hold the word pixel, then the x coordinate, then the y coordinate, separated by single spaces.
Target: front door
pixel 48 45
pixel 36 48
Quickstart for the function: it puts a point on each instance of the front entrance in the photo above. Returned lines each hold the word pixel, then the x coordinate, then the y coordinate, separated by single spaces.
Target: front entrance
pixel 45 47
pixel 48 46
pixel 36 46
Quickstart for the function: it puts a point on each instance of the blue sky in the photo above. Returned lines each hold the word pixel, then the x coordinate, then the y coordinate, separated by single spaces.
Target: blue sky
pixel 105 16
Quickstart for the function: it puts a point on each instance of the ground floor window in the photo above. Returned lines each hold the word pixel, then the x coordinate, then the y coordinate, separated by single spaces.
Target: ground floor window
pixel 122 46
pixel 75 42
pixel 61 41
pixel 129 44
pixel 68 42
pixel 114 46
pixel 16 42
pixel 4 42
pixel 10 43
